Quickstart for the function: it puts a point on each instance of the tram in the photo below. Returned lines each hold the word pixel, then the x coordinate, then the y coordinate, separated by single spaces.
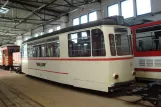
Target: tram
pixel 6 55
pixel 147 50
pixel 97 55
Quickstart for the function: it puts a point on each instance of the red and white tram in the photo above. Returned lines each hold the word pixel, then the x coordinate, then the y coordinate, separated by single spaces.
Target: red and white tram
pixel 147 50
pixel 97 55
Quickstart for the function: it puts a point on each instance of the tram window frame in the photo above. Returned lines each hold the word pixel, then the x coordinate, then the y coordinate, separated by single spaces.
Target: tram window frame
pixel 98 51
pixel 112 44
pixel 152 38
pixel 54 43
pixel 24 51
pixel 119 44
pixel 82 45
pixel 43 52
pixel 37 51
pixel 30 50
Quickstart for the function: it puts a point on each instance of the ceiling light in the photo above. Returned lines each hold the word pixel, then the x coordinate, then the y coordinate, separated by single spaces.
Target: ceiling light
pixel 3 10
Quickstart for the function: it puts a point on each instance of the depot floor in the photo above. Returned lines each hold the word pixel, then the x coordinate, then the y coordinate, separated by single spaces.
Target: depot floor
pixel 19 90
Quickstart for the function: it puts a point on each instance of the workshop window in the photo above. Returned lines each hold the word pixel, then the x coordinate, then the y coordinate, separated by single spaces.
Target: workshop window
pixel 143 7
pixel 113 10
pixel 127 8
pixel 84 19
pixel 93 16
pixel 76 21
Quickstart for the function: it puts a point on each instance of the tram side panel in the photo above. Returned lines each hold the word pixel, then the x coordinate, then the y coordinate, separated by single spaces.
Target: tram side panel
pixel 147 51
pixel 95 73
pixel 148 68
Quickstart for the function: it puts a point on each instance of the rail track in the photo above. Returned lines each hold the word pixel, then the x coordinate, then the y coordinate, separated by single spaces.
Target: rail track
pixel 11 97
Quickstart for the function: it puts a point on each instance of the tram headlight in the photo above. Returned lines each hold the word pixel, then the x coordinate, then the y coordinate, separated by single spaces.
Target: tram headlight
pixel 133 73
pixel 115 76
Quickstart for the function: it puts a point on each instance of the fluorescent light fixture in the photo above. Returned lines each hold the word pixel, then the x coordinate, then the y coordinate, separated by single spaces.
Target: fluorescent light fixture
pixel 50 30
pixel 3 10
pixel 26 38
pixel 58 28
pixel 41 33
pixel 36 35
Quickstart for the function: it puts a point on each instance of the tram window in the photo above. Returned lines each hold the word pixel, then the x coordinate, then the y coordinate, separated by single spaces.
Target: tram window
pixel 29 49
pixel 112 44
pixel 43 52
pixel 148 41
pixel 37 51
pixel 123 44
pixel 24 51
pixel 79 44
pixel 52 48
pixel 98 45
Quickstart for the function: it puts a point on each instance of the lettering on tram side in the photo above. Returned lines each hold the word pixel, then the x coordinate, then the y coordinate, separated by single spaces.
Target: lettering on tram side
pixel 41 64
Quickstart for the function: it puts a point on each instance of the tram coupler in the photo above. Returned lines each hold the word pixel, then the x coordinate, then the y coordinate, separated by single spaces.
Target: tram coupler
pixel 150 93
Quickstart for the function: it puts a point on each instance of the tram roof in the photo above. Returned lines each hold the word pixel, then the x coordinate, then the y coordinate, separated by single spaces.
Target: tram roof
pixel 115 20
pixel 9 45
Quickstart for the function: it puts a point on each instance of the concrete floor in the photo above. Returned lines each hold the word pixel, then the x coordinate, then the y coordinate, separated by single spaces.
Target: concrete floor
pixel 18 90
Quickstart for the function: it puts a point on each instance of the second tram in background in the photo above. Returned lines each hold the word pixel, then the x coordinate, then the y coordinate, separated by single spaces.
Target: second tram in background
pixel 6 55
pixel 97 55
pixel 147 50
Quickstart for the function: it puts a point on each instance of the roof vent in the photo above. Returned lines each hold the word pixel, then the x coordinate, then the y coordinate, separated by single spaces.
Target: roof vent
pixel 118 19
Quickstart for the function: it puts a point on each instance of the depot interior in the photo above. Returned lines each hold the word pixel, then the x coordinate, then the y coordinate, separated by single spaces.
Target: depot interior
pixel 23 20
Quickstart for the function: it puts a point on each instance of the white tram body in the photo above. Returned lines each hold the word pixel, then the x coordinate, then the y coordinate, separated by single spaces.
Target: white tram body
pixel 94 56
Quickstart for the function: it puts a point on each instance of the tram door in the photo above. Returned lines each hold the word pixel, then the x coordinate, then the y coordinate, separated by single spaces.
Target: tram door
pixel 4 57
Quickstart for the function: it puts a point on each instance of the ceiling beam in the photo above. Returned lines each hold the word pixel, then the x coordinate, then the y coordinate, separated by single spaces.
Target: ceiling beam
pixel 56 18
pixel 70 3
pixel 29 15
pixel 31 11
pixel 12 28
pixel 39 2
pixel 36 6
pixel 8 33
pixel 17 19
pixel 7 36
pixel 20 8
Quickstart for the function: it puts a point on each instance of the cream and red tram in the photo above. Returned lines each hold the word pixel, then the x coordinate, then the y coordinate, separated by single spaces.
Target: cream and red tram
pixel 147 50
pixel 95 56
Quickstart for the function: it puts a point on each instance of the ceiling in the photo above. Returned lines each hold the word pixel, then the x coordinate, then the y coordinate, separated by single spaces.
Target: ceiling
pixel 26 15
